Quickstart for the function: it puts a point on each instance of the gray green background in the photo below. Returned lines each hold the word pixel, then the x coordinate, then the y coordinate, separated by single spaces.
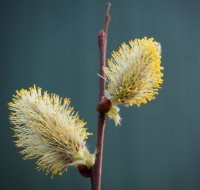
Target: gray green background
pixel 53 44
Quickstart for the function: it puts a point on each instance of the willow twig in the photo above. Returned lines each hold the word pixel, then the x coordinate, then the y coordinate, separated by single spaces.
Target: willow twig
pixel 102 39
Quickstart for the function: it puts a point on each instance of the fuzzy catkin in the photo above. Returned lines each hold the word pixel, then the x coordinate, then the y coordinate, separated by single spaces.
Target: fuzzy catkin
pixel 47 128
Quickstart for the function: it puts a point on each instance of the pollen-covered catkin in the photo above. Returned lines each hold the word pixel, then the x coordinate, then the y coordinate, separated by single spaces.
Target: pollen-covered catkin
pixel 134 73
pixel 47 128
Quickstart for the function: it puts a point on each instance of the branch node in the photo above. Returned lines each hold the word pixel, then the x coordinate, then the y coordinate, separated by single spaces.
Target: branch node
pixel 84 171
pixel 104 106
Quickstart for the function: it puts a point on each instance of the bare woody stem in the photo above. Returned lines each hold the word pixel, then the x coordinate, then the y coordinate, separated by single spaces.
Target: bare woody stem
pixel 102 39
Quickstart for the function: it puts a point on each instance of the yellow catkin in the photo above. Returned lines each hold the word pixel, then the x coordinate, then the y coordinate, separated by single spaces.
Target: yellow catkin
pixel 47 128
pixel 134 72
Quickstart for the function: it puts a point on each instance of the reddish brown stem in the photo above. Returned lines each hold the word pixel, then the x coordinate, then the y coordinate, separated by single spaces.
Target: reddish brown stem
pixel 97 169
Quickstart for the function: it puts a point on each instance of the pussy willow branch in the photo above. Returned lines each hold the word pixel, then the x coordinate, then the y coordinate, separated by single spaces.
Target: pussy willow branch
pixel 102 39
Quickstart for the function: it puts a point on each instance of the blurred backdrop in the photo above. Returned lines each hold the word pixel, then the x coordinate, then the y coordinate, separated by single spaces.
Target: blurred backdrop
pixel 53 44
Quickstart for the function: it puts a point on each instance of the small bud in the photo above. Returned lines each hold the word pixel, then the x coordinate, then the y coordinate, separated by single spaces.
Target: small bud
pixel 104 105
pixel 84 171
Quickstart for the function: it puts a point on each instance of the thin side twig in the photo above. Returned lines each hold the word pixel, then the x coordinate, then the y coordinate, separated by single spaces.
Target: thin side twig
pixel 102 39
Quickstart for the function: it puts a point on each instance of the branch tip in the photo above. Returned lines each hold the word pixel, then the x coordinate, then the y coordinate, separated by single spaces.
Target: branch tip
pixel 107 17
